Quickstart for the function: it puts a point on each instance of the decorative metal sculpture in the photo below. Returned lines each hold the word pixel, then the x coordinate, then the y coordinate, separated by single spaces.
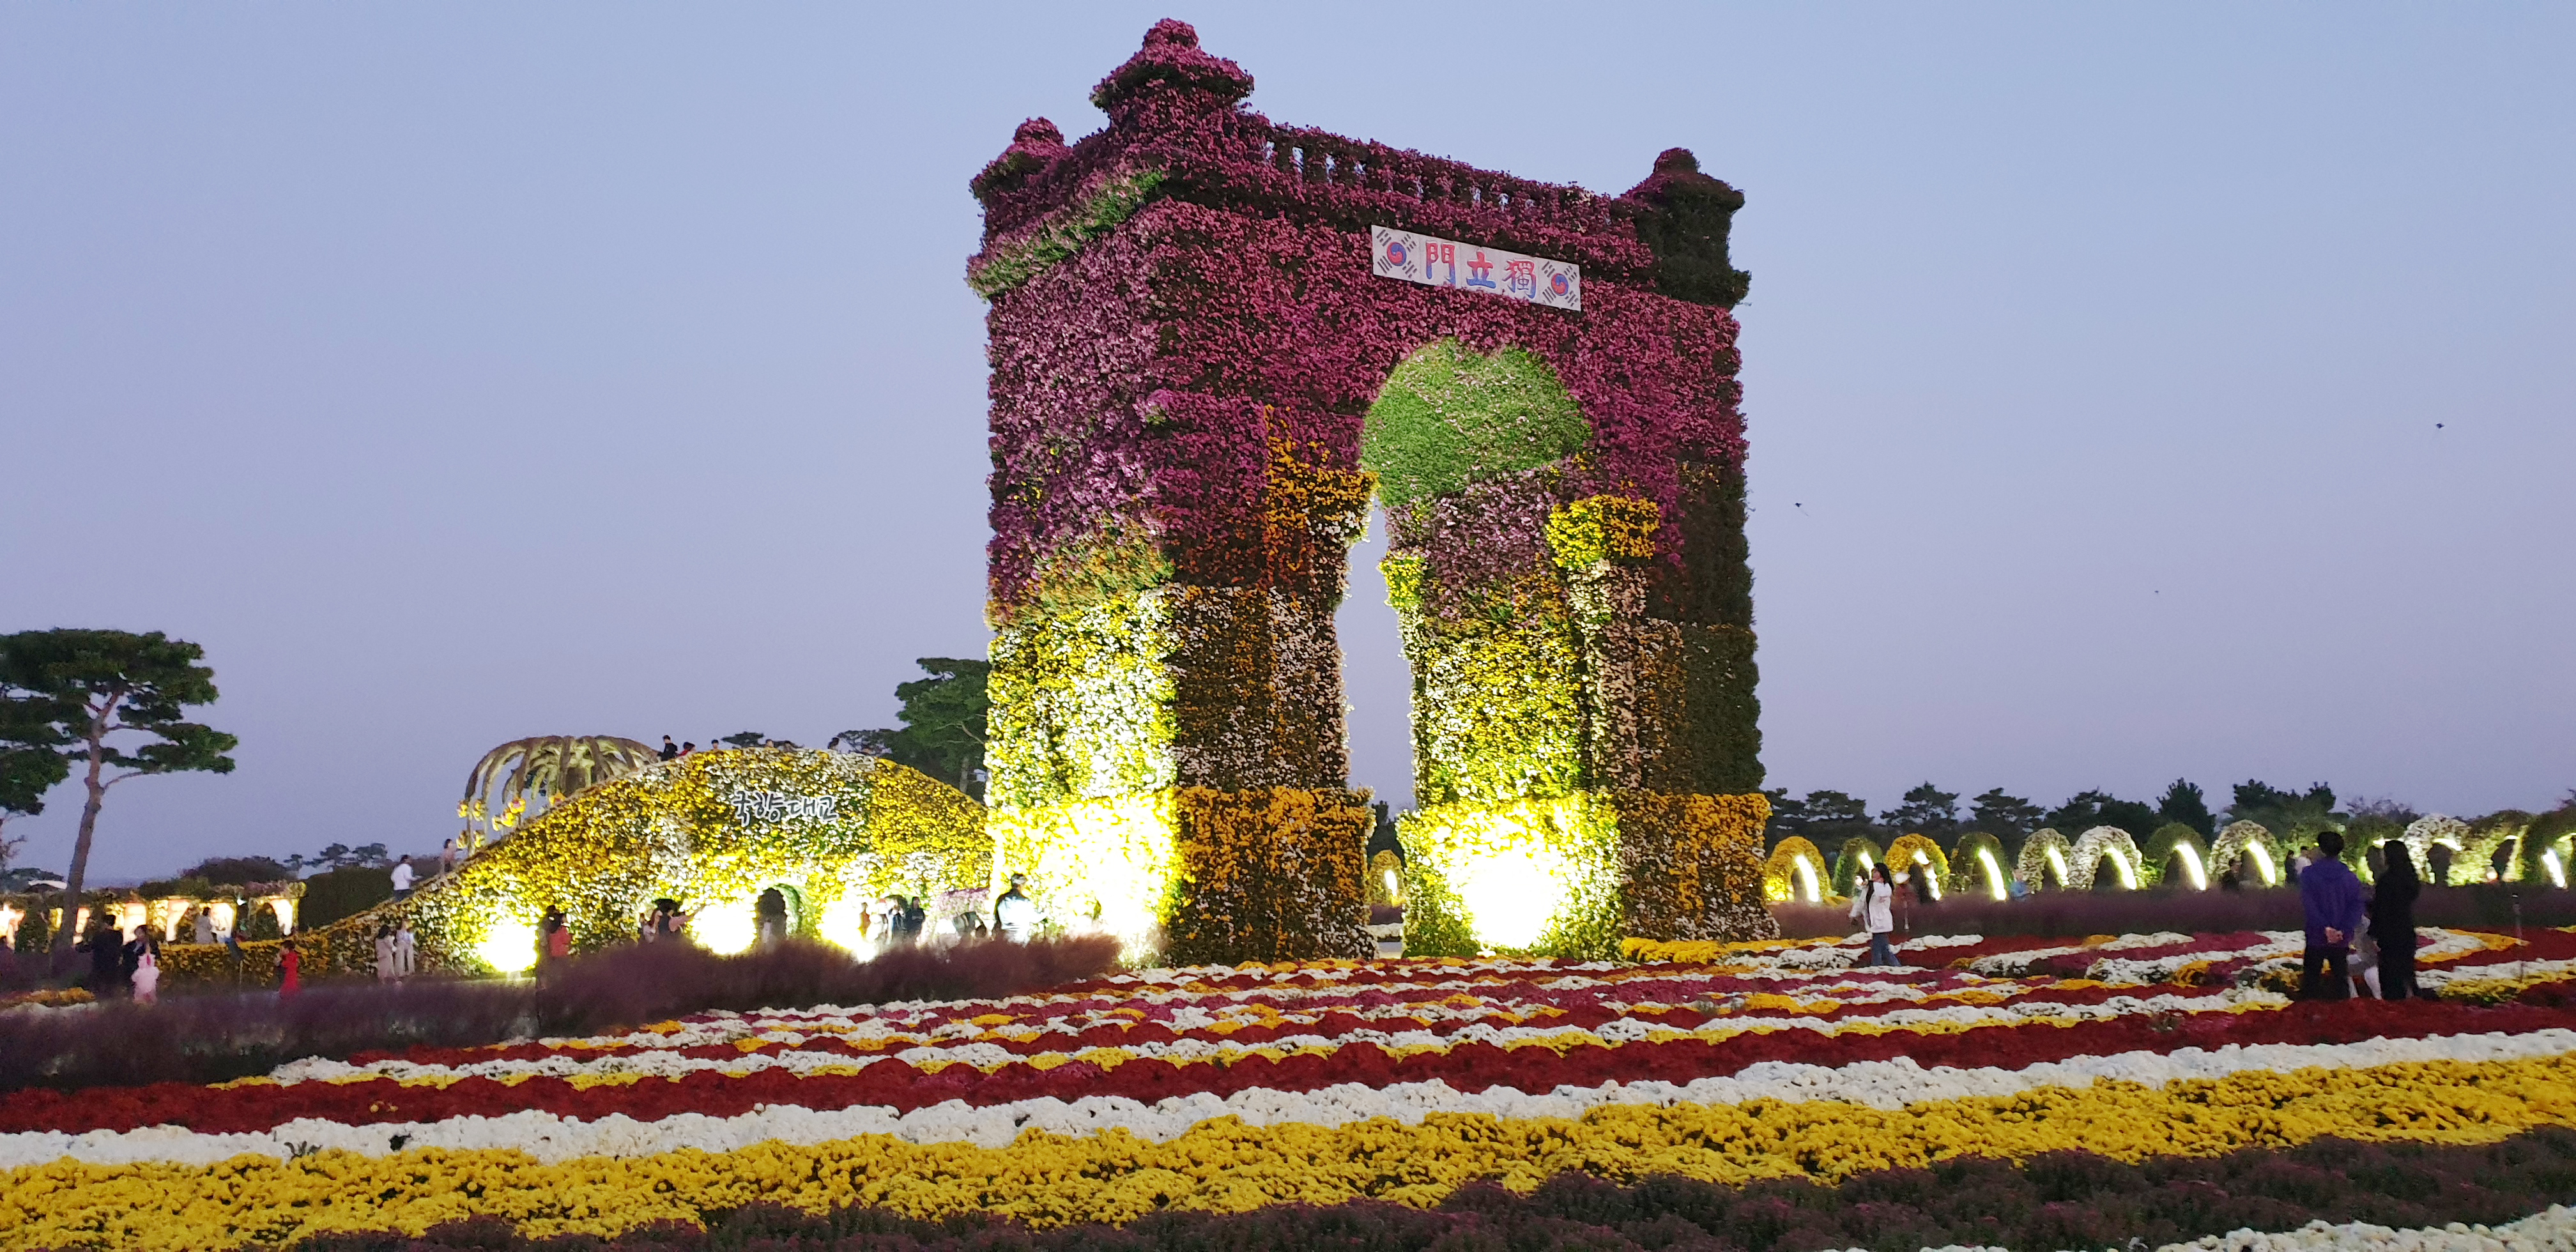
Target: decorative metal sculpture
pixel 544 770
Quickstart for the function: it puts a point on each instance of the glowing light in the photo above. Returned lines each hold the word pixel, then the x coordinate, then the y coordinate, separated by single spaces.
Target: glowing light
pixel 1807 875
pixel 510 946
pixel 2191 866
pixel 725 928
pixel 845 921
pixel 2557 872
pixel 2263 864
pixel 2057 861
pixel 2128 873
pixel 1994 872
pixel 1928 875
pixel 1394 889
pixel 1101 864
pixel 1511 897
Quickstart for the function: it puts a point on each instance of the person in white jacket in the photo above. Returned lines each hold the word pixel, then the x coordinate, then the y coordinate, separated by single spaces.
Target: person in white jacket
pixel 1875 910
pixel 1015 914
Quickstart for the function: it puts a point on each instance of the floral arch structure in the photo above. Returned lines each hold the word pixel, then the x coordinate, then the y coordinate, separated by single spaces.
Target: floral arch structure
pixel 1200 378
pixel 2248 847
pixel 832 831
pixel 1977 864
pixel 2046 861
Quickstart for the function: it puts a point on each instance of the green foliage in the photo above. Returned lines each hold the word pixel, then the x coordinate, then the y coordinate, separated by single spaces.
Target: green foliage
pixel 255 922
pixel 1447 418
pixel 26 773
pixel 2007 817
pixel 2183 803
pixel 1435 921
pixel 1686 228
pixel 2291 815
pixel 36 930
pixel 944 723
pixel 235 871
pixel 2087 809
pixel 1012 265
pixel 70 693
pixel 193 888
pixel 1927 810
pixel 342 893
pixel 339 856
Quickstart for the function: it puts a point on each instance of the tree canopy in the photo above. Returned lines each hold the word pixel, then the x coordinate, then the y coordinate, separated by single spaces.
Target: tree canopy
pixel 943 724
pixel 2184 804
pixel 2005 816
pixel 1927 810
pixel 72 693
pixel 2284 812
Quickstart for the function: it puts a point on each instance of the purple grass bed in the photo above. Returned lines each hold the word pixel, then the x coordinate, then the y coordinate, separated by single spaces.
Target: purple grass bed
pixel 2076 914
pixel 219 1037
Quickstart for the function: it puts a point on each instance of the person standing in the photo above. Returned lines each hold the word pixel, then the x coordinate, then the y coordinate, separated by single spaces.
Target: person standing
pixel 668 922
pixel 205 925
pixel 772 911
pixel 384 954
pixel 106 959
pixel 670 750
pixel 554 942
pixel 1015 914
pixel 131 957
pixel 1875 910
pixel 402 878
pixel 447 858
pixel 2331 897
pixel 290 971
pixel 2392 923
pixel 406 950
pixel 147 974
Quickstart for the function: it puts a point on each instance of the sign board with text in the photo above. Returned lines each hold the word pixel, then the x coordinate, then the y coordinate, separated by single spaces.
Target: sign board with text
pixel 1436 262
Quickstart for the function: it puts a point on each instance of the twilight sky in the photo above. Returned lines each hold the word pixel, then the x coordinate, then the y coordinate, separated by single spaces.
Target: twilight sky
pixel 2133 392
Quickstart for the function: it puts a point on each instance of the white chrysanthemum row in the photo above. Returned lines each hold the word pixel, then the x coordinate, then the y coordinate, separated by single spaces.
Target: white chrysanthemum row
pixel 2550 1231
pixel 1846 995
pixel 983 1055
pixel 1876 1084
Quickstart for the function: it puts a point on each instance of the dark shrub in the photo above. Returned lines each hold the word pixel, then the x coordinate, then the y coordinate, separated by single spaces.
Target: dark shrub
pixel 236 871
pixel 342 893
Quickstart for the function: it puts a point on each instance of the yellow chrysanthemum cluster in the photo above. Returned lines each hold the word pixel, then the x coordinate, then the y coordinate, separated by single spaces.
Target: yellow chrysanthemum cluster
pixel 1227 1166
pixel 712 830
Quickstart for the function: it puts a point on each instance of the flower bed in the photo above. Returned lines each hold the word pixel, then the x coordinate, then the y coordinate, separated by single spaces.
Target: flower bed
pixel 1421 1084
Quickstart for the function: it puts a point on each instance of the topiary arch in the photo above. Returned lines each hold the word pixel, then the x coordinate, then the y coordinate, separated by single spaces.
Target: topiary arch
pixel 712 830
pixel 1200 379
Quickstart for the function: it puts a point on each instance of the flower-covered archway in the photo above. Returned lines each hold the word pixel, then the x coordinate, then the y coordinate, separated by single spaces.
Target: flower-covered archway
pixel 1213 340
pixel 711 830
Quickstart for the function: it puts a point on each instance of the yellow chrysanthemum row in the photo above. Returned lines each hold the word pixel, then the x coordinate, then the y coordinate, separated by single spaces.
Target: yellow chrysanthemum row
pixel 1227 1166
